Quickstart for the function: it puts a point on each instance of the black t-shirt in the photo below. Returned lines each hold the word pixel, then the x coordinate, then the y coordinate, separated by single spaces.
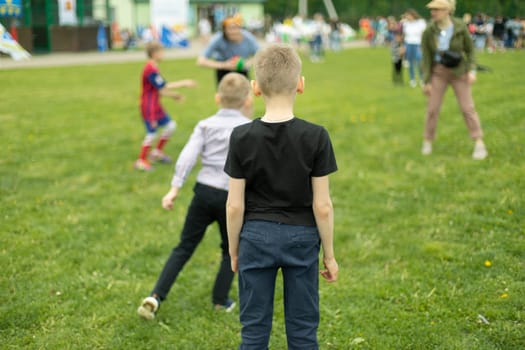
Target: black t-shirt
pixel 278 160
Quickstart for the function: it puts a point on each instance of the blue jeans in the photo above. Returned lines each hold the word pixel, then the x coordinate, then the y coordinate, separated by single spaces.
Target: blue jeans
pixel 264 248
pixel 480 41
pixel 316 46
pixel 413 56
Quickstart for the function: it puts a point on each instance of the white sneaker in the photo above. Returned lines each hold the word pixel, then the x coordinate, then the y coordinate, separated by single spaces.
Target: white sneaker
pixel 480 151
pixel 159 156
pixel 228 307
pixel 147 309
pixel 427 148
pixel 413 83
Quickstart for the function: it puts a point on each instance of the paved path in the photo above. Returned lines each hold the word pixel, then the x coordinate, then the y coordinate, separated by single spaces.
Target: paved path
pixel 90 58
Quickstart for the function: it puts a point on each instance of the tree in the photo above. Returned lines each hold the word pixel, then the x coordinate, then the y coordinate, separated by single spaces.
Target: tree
pixel 351 10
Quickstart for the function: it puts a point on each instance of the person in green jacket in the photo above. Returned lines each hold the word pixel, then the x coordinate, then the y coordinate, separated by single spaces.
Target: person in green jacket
pixel 448 59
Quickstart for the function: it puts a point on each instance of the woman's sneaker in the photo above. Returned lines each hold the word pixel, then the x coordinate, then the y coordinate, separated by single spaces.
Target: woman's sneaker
pixel 228 306
pixel 147 309
pixel 480 151
pixel 426 149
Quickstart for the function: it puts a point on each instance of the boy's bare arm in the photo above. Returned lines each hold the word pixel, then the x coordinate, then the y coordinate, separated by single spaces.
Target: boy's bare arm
pixel 167 90
pixel 181 84
pixel 206 62
pixel 324 217
pixel 235 217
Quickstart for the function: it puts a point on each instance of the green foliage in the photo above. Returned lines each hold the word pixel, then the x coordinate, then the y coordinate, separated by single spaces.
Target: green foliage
pixel 83 236
pixel 351 11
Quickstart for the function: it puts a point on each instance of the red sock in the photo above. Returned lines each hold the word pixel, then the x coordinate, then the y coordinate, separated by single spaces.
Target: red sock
pixel 162 143
pixel 144 152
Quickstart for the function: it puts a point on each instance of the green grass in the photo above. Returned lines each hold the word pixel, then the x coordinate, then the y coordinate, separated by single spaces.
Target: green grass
pixel 83 235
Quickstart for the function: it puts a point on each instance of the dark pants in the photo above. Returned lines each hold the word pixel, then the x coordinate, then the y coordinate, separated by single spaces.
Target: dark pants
pixel 397 72
pixel 264 248
pixel 208 205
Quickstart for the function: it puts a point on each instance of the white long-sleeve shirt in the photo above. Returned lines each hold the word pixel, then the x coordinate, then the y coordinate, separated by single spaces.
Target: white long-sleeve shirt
pixel 210 140
pixel 413 31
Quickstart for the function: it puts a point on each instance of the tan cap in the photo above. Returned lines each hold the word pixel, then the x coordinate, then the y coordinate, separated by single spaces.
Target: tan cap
pixel 439 4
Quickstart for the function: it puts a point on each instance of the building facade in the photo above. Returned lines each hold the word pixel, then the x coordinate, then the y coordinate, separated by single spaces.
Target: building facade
pixel 72 25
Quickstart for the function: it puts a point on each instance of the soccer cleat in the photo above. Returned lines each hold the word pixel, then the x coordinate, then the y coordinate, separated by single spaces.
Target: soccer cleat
pixel 143 165
pixel 427 148
pixel 147 309
pixel 228 306
pixel 413 83
pixel 480 151
pixel 159 156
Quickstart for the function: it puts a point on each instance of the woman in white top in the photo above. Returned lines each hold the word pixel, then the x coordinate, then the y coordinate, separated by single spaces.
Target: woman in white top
pixel 413 28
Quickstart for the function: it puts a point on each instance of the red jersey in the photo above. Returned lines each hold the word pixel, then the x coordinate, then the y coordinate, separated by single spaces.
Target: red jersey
pixel 152 82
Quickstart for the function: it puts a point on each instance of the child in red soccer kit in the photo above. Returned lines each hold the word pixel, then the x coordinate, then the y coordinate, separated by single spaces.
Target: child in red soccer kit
pixel 154 86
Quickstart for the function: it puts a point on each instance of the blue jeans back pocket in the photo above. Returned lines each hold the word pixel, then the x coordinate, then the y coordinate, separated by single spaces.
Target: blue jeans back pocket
pixel 252 232
pixel 305 236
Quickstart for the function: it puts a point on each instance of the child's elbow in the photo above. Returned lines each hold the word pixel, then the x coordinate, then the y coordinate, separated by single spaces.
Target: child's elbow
pixel 233 208
pixel 323 210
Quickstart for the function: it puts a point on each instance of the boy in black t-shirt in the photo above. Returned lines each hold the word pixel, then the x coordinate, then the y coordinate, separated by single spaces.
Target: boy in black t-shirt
pixel 279 209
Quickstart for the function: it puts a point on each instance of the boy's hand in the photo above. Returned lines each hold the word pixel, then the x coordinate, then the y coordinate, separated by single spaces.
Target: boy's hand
pixel 471 78
pixel 331 270
pixel 178 97
pixel 169 198
pixel 231 64
pixel 153 124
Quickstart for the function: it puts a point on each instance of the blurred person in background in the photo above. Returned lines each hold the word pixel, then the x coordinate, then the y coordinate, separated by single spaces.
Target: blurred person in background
pixel 316 42
pixel 397 50
pixel 513 27
pixel 335 35
pixel 498 33
pixel 521 37
pixel 448 59
pixel 413 28
pixel 480 32
pixel 393 27
pixel 230 50
pixel 204 30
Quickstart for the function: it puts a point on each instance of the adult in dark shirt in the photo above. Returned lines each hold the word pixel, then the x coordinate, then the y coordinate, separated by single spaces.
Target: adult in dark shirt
pixel 498 32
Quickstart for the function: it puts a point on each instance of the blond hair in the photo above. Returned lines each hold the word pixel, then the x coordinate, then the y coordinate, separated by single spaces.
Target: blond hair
pixel 277 70
pixel 413 13
pixel 452 6
pixel 233 90
pixel 152 47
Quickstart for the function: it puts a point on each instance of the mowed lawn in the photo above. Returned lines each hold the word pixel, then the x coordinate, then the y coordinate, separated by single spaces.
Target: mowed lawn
pixel 431 249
